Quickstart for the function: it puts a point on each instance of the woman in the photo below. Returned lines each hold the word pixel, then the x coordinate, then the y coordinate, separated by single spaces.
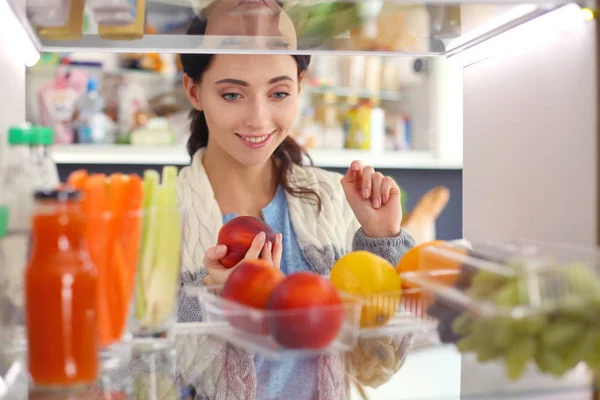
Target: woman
pixel 244 163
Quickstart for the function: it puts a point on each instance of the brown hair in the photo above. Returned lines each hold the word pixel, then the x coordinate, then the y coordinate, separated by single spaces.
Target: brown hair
pixel 286 155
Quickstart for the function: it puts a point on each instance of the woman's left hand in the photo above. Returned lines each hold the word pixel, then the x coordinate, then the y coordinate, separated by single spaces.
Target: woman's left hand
pixel 374 199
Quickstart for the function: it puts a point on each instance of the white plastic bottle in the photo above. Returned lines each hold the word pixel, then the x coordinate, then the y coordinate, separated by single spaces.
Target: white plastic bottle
pixel 46 172
pixel 91 127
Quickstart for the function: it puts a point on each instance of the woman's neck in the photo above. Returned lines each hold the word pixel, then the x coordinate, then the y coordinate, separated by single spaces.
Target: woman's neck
pixel 238 188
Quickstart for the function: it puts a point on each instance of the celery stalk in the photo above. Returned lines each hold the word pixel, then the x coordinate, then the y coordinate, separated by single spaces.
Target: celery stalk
pixel 163 272
pixel 151 184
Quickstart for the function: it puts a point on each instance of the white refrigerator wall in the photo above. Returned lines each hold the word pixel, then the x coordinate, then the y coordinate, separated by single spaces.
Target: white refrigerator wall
pixel 530 141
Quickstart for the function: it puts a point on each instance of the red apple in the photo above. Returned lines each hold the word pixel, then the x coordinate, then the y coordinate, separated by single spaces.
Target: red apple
pixel 250 284
pixel 306 311
pixel 237 234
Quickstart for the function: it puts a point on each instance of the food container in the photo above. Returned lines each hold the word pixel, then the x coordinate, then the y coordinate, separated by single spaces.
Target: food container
pixel 253 329
pixel 395 313
pixel 523 303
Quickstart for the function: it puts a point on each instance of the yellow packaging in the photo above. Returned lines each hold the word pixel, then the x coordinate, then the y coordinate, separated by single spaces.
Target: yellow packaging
pixel 359 127
pixel 72 30
pixel 127 32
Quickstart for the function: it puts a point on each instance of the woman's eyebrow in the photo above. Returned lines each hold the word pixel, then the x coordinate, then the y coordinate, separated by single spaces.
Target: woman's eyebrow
pixel 233 81
pixel 244 83
pixel 280 78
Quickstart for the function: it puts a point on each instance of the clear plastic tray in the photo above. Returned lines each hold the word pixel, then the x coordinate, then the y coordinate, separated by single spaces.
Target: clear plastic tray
pixel 518 301
pixel 247 327
pixel 408 310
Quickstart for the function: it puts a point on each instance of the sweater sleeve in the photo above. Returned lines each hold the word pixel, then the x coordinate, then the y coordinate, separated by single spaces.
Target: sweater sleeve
pixel 392 249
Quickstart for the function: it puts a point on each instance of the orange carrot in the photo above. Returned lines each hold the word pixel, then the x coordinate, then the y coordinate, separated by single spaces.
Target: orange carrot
pixel 117 270
pixel 77 179
pixel 120 283
pixel 94 205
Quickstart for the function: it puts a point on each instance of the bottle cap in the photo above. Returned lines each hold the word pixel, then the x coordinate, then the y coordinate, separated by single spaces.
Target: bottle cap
pixel 19 134
pixel 3 221
pixel 92 84
pixel 42 135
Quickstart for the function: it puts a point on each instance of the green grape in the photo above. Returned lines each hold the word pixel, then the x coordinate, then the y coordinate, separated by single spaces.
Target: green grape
pixel 582 279
pixel 581 348
pixel 530 325
pixel 503 335
pixel 487 352
pixel 561 332
pixel 468 343
pixel 462 324
pixel 508 295
pixel 549 362
pixel 517 356
pixel 593 358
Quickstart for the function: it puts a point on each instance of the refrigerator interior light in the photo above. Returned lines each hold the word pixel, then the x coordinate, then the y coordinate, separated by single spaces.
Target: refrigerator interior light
pixel 15 37
pixel 539 30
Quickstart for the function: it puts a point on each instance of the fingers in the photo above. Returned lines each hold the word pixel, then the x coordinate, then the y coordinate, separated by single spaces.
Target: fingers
pixel 212 256
pixel 386 189
pixel 277 251
pixel 256 248
pixel 367 184
pixel 377 183
pixel 267 252
pixel 209 281
pixel 350 176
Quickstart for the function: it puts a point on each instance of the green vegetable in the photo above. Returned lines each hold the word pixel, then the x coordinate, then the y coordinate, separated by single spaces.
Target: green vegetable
pixel 158 277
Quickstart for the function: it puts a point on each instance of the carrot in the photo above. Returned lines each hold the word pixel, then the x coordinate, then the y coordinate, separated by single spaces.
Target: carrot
pixel 77 179
pixel 117 269
pixel 120 283
pixel 94 206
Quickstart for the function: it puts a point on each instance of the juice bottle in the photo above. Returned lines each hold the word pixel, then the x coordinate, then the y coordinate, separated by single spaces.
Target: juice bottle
pixel 60 295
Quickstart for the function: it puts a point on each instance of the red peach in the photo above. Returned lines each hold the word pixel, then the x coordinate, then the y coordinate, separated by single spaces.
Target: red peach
pixel 237 234
pixel 250 284
pixel 306 310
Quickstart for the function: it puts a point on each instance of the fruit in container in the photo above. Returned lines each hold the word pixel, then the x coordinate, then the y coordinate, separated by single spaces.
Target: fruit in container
pixel 250 284
pixel 425 258
pixel 306 312
pixel 237 234
pixel 372 279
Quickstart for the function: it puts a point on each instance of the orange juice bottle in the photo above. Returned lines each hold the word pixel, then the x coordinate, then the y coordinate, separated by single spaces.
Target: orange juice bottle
pixel 60 295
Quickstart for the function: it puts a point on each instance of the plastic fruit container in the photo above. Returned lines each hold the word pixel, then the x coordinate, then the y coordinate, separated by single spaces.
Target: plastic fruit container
pixel 238 324
pixel 395 313
pixel 519 302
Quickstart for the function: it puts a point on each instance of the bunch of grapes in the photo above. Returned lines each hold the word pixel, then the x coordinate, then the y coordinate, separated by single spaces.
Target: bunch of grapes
pixel 551 318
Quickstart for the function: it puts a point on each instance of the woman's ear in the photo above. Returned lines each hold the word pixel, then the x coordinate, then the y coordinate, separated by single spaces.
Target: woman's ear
pixel 301 81
pixel 191 89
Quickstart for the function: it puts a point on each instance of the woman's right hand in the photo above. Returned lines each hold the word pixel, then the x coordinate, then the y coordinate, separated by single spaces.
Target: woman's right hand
pixel 260 248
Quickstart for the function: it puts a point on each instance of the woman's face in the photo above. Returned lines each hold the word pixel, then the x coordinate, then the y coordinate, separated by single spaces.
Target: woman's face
pixel 248 24
pixel 250 103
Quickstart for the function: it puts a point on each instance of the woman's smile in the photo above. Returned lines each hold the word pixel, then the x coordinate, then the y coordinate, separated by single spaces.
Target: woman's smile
pixel 255 141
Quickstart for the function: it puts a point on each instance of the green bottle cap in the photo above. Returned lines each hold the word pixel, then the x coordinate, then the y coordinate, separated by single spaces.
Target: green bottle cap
pixel 3 221
pixel 42 135
pixel 19 134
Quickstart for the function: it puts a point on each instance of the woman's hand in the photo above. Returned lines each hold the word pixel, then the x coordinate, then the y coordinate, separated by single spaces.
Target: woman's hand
pixel 374 199
pixel 260 248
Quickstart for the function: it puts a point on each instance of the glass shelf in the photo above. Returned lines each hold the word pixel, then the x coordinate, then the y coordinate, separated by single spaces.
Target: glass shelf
pixel 430 373
pixel 383 27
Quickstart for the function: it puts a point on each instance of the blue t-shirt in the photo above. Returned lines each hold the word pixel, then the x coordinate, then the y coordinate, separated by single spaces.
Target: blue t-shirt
pixel 289 378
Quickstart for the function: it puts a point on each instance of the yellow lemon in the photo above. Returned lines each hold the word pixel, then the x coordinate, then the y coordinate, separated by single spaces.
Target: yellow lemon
pixel 374 280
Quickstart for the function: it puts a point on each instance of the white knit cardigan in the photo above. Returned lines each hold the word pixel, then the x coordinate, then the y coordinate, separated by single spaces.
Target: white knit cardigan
pixel 220 371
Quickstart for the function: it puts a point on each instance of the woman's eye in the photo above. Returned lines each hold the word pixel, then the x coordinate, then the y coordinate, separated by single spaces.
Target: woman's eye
pixel 231 96
pixel 280 95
